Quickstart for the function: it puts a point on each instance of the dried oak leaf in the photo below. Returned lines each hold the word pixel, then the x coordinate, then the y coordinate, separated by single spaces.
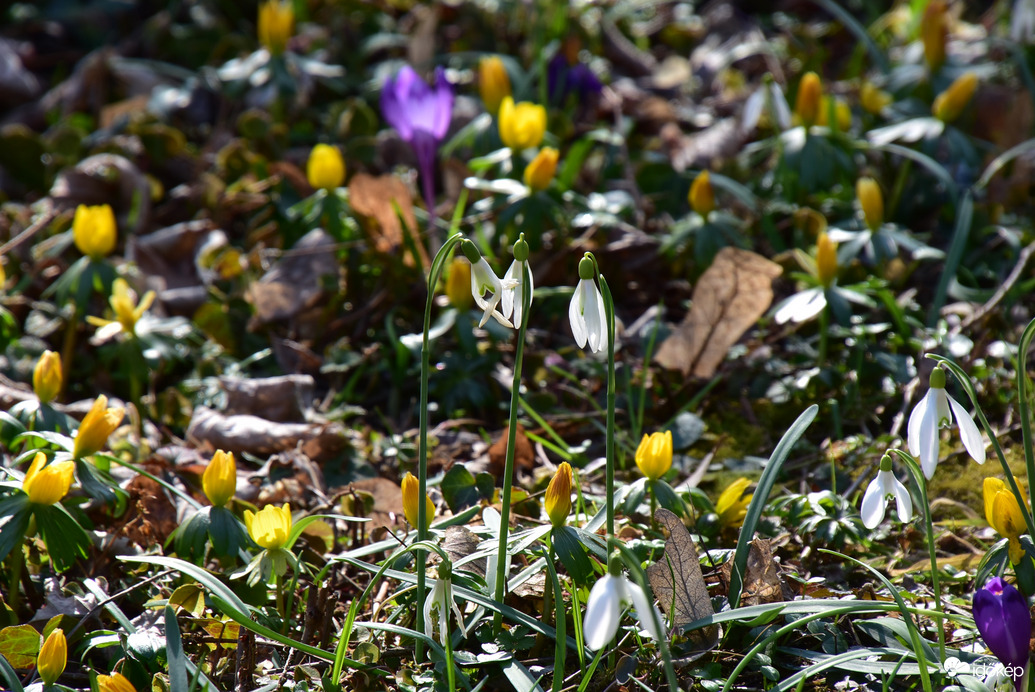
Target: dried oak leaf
pixel 730 297
pixel 377 198
pixel 524 455
pixel 763 582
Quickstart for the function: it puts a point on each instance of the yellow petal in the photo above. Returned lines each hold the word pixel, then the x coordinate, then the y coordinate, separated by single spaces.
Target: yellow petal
pixel 94 231
pixel 558 495
pixel 493 82
pixel 98 424
pixel 541 170
pixel 115 682
pixel 325 168
pixel 53 655
pixel 46 485
pixel 46 377
pixel 410 498
pixel 220 478
pixel 654 455
pixel 992 487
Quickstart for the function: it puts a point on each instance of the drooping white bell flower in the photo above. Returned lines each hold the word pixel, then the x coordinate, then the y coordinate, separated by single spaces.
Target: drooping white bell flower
pixel 514 298
pixel 936 410
pixel 586 311
pixel 441 598
pixel 767 98
pixel 1022 21
pixel 483 280
pixel 875 500
pixel 604 608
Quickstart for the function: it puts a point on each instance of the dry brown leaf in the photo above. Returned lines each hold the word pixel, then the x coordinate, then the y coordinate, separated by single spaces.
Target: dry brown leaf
pixel 524 455
pixel 762 582
pixel 730 297
pixel 377 198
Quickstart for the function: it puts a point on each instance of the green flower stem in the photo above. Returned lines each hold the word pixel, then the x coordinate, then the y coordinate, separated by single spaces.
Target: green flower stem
pixel 824 338
pixel 434 275
pixel 1024 409
pixel 609 449
pixel 15 564
pixel 508 469
pixel 279 588
pixel 921 483
pixel 553 588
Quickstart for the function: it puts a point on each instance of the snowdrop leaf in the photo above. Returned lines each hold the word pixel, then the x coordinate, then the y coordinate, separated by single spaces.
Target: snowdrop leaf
pixel 678 583
pixel 729 298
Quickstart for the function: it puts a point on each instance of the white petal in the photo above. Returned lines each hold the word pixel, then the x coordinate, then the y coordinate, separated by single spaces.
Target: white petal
pixel 752 111
pixel 643 609
pixel 596 321
pixel 872 510
pixel 429 603
pixel 482 277
pixel 913 437
pixel 941 400
pixel 903 502
pixel 507 307
pixel 969 432
pixel 519 297
pixel 801 307
pixel 783 111
pixel 578 322
pixel 928 438
pixel 443 614
pixel 602 612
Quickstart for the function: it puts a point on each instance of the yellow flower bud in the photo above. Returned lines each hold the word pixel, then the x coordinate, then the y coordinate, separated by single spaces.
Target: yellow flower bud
pixel 934 31
pixel 410 492
pixel 654 455
pixel 458 284
pixel 98 424
pixel 326 168
pixel 493 82
pixel 94 231
pixel 951 102
pixel 523 125
pixel 1004 514
pixel 826 259
pixel 810 96
pixel 733 504
pixel 276 24
pixel 702 196
pixel 874 100
pixel 871 200
pixel 540 172
pixel 220 478
pixel 50 663
pixel 558 495
pixel 270 526
pixel 115 682
pixel 46 377
pixel 47 484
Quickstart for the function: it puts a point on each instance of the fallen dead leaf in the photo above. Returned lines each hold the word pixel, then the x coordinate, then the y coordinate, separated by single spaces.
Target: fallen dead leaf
pixel 762 582
pixel 377 198
pixel 524 455
pixel 730 297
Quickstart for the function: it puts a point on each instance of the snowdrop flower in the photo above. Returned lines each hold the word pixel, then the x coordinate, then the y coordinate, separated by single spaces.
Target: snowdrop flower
pixel 586 310
pixel 876 498
pixel 768 98
pixel 604 608
pixel 484 279
pixel 932 413
pixel 514 298
pixel 441 597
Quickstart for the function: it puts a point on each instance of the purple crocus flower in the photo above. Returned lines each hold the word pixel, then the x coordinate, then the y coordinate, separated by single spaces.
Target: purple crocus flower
pixel 1004 620
pixel 421 115
pixel 563 79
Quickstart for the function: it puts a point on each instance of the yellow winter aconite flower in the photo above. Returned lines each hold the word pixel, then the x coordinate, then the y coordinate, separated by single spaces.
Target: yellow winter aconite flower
pixel 116 682
pixel 871 200
pixel 826 259
pixel 46 377
pixel 654 455
pixel 810 96
pixel 45 483
pixel 325 169
pixel 94 231
pixel 558 495
pixel 127 311
pixel 493 82
pixel 874 100
pixel 951 102
pixel 220 478
pixel 410 497
pixel 842 111
pixel 733 504
pixel 522 125
pixel 1004 515
pixel 540 172
pixel 934 30
pixel 50 663
pixel 98 424
pixel 270 526
pixel 276 24
pixel 458 284
pixel 702 196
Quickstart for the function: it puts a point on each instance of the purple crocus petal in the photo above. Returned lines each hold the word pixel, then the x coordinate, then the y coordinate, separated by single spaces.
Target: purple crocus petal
pixel 556 73
pixel 393 101
pixel 443 104
pixel 1004 620
pixel 425 145
pixel 582 80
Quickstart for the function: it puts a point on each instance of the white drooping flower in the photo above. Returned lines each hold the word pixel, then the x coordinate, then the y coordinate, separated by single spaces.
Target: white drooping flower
pixel 1022 21
pixel 766 96
pixel 514 298
pixel 586 311
pixel 604 610
pixel 441 598
pixel 875 500
pixel 483 280
pixel 936 410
